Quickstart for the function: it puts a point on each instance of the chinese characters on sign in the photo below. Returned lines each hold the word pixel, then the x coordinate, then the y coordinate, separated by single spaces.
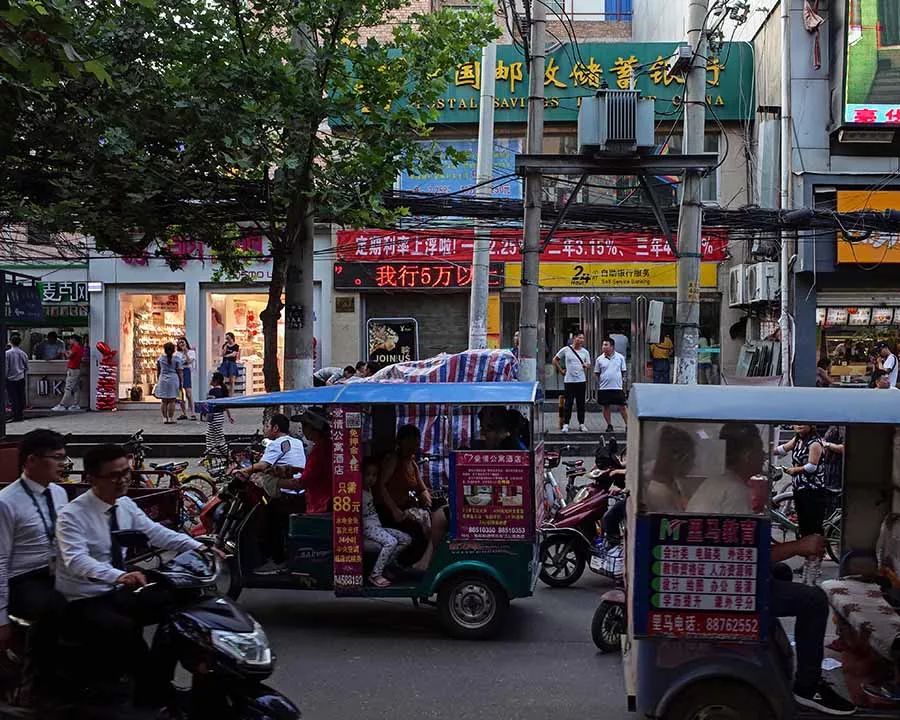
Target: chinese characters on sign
pixel 871 82
pixel 254 247
pixel 392 340
pixel 609 275
pixel 63 292
pixel 409 276
pixel 346 440
pixel 705 577
pixel 874 248
pixel 490 494
pixel 447 246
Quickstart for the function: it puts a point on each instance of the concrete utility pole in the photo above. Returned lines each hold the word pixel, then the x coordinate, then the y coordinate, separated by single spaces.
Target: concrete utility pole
pixel 690 219
pixel 530 296
pixel 484 172
pixel 785 195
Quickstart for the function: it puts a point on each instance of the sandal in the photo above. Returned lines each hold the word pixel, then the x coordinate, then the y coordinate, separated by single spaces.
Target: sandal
pixel 379 581
pixel 193 417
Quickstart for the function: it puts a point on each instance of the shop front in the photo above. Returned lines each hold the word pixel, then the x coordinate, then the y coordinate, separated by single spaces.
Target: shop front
pixel 142 304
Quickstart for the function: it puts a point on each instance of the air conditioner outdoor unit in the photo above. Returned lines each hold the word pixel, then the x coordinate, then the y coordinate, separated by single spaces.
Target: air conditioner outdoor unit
pixel 615 121
pixel 737 294
pixel 762 282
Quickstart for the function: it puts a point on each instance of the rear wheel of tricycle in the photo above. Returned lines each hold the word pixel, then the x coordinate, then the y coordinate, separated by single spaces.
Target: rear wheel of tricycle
pixel 562 561
pixel 608 626
pixel 472 606
pixel 718 700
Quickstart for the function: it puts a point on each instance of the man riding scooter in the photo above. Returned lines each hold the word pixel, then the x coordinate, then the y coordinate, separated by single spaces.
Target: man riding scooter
pixel 28 509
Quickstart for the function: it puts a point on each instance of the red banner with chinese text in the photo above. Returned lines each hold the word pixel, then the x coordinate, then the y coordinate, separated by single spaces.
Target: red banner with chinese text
pixel 346 439
pixel 456 245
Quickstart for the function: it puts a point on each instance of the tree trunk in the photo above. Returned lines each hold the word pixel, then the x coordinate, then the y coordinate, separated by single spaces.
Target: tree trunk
pixel 298 293
pixel 269 318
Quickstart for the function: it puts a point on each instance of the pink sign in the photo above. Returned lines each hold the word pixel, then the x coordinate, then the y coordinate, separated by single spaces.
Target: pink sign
pixel 346 442
pixel 491 495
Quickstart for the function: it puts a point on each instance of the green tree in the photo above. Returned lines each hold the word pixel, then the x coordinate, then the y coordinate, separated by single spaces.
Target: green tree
pixel 273 114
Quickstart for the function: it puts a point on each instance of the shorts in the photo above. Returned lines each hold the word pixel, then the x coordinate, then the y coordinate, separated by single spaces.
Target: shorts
pixel 611 397
pixel 229 368
pixel 186 379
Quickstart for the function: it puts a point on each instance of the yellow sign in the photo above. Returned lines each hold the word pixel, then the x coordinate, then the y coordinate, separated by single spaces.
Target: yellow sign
pixel 877 248
pixel 608 275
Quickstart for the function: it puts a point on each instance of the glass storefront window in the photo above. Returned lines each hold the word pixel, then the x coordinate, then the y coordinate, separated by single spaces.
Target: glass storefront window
pixel 147 322
pixel 240 314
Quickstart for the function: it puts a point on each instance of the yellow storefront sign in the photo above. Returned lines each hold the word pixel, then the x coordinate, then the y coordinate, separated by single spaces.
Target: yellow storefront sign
pixel 877 248
pixel 608 275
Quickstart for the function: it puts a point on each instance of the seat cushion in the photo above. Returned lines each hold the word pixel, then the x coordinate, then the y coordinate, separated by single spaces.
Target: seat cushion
pixel 863 607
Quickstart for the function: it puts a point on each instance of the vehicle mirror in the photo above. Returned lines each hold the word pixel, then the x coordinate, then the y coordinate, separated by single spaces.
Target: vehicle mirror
pixel 130 539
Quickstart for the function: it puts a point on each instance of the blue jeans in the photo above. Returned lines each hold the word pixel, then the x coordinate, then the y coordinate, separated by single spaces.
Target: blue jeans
pixel 662 372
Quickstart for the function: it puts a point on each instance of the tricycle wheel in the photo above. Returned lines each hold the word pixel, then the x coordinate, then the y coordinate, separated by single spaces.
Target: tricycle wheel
pixel 562 561
pixel 608 626
pixel 229 581
pixel 472 606
pixel 718 700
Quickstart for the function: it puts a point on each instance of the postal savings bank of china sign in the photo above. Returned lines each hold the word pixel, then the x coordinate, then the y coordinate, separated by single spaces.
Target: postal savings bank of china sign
pixel 575 73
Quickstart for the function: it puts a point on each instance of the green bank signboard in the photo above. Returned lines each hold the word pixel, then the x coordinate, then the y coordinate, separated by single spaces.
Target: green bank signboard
pixel 576 72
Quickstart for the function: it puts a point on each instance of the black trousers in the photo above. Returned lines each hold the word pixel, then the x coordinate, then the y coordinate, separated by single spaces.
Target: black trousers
pixel 612 521
pixel 812 509
pixel 575 393
pixel 809 607
pixel 113 625
pixel 32 597
pixel 15 390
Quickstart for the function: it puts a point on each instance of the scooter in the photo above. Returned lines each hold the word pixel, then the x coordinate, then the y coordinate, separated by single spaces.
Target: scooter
pixel 224 648
pixel 569 539
pixel 610 619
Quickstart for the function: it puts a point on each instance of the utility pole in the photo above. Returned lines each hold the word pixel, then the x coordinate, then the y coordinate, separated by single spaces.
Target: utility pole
pixel 785 195
pixel 530 294
pixel 690 219
pixel 484 172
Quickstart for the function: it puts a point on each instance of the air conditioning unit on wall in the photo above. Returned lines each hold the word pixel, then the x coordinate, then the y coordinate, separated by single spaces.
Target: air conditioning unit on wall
pixel 737 294
pixel 762 282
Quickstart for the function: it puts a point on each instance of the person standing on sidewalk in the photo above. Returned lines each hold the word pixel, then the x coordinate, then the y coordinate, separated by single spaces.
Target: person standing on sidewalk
pixel 661 354
pixel 16 367
pixel 610 370
pixel 73 376
pixel 573 361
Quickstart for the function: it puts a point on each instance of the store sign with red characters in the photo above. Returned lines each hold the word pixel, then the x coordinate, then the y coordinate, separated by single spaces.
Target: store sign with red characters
pixel 701 578
pixel 410 276
pixel 346 445
pixel 446 246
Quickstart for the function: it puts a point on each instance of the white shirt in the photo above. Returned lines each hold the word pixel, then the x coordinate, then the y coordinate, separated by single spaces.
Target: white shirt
pixel 574 360
pixel 890 368
pixel 610 371
pixel 726 494
pixel 285 450
pixel 24 545
pixel 188 358
pixel 85 544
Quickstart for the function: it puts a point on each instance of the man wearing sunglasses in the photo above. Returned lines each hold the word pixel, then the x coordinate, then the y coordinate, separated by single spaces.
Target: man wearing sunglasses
pixel 103 600
pixel 28 510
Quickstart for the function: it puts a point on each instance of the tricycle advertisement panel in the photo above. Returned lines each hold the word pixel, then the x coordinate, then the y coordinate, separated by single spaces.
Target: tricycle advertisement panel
pixel 346 439
pixel 491 495
pixel 701 578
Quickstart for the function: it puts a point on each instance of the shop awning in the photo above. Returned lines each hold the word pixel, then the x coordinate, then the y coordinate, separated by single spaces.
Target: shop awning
pixel 396 393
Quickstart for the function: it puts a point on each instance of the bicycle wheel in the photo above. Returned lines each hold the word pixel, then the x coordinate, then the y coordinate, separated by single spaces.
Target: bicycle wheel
pixel 192 503
pixel 832 528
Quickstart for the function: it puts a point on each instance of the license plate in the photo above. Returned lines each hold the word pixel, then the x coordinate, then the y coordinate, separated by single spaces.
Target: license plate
pixel 596 563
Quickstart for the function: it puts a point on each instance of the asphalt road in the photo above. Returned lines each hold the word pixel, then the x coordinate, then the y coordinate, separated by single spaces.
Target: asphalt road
pixel 374 659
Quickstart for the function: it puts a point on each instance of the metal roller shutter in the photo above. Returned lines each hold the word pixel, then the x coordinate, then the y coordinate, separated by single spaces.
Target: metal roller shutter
pixel 443 319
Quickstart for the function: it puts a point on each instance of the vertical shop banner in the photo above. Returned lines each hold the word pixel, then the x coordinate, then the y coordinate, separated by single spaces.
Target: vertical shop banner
pixel 392 340
pixel 346 439
pixel 701 578
pixel 491 494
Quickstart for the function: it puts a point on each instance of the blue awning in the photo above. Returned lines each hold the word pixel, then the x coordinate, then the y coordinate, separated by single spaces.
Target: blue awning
pixel 719 403
pixel 396 393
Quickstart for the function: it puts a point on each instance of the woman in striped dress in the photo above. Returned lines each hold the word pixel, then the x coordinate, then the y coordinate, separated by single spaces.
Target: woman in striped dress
pixel 215 429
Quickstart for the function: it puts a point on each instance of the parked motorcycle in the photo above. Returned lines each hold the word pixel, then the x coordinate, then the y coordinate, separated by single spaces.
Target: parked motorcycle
pixel 570 538
pixel 224 648
pixel 609 621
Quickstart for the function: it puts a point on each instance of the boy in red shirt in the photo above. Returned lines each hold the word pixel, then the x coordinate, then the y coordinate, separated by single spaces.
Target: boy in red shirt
pixel 74 356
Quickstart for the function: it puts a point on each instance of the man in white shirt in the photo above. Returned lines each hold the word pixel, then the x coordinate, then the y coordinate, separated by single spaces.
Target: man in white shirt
pixel 610 370
pixel 16 367
pixel 888 365
pixel 92 575
pixel 573 361
pixel 28 509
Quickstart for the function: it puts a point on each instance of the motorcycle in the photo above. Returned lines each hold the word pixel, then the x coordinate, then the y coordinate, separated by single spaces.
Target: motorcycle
pixel 224 649
pixel 570 538
pixel 610 619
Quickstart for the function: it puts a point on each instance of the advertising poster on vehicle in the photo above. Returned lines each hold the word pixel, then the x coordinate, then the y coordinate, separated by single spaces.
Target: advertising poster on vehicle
pixel 701 578
pixel 392 340
pixel 491 495
pixel 346 441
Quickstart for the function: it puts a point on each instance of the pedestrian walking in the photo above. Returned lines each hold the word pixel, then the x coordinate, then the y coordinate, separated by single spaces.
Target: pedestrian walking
pixel 16 367
pixel 661 354
pixel 169 367
pixel 573 362
pixel 231 353
pixel 74 356
pixel 216 444
pixel 189 361
pixel 610 370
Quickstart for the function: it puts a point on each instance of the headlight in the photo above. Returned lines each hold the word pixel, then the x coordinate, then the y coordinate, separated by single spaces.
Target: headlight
pixel 250 648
